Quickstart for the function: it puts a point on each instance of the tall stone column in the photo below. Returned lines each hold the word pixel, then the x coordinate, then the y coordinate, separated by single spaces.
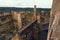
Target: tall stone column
pixel 54 20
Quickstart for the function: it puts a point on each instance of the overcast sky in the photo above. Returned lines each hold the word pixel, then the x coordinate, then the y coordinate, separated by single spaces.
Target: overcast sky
pixel 26 3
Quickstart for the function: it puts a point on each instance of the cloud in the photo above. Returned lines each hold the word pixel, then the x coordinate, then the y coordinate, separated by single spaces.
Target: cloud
pixel 7 3
pixel 26 3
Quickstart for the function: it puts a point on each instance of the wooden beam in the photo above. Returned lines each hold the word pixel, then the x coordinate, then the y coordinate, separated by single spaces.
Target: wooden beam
pixel 27 26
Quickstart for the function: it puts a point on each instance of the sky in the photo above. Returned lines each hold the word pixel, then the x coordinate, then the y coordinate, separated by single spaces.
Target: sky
pixel 26 3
